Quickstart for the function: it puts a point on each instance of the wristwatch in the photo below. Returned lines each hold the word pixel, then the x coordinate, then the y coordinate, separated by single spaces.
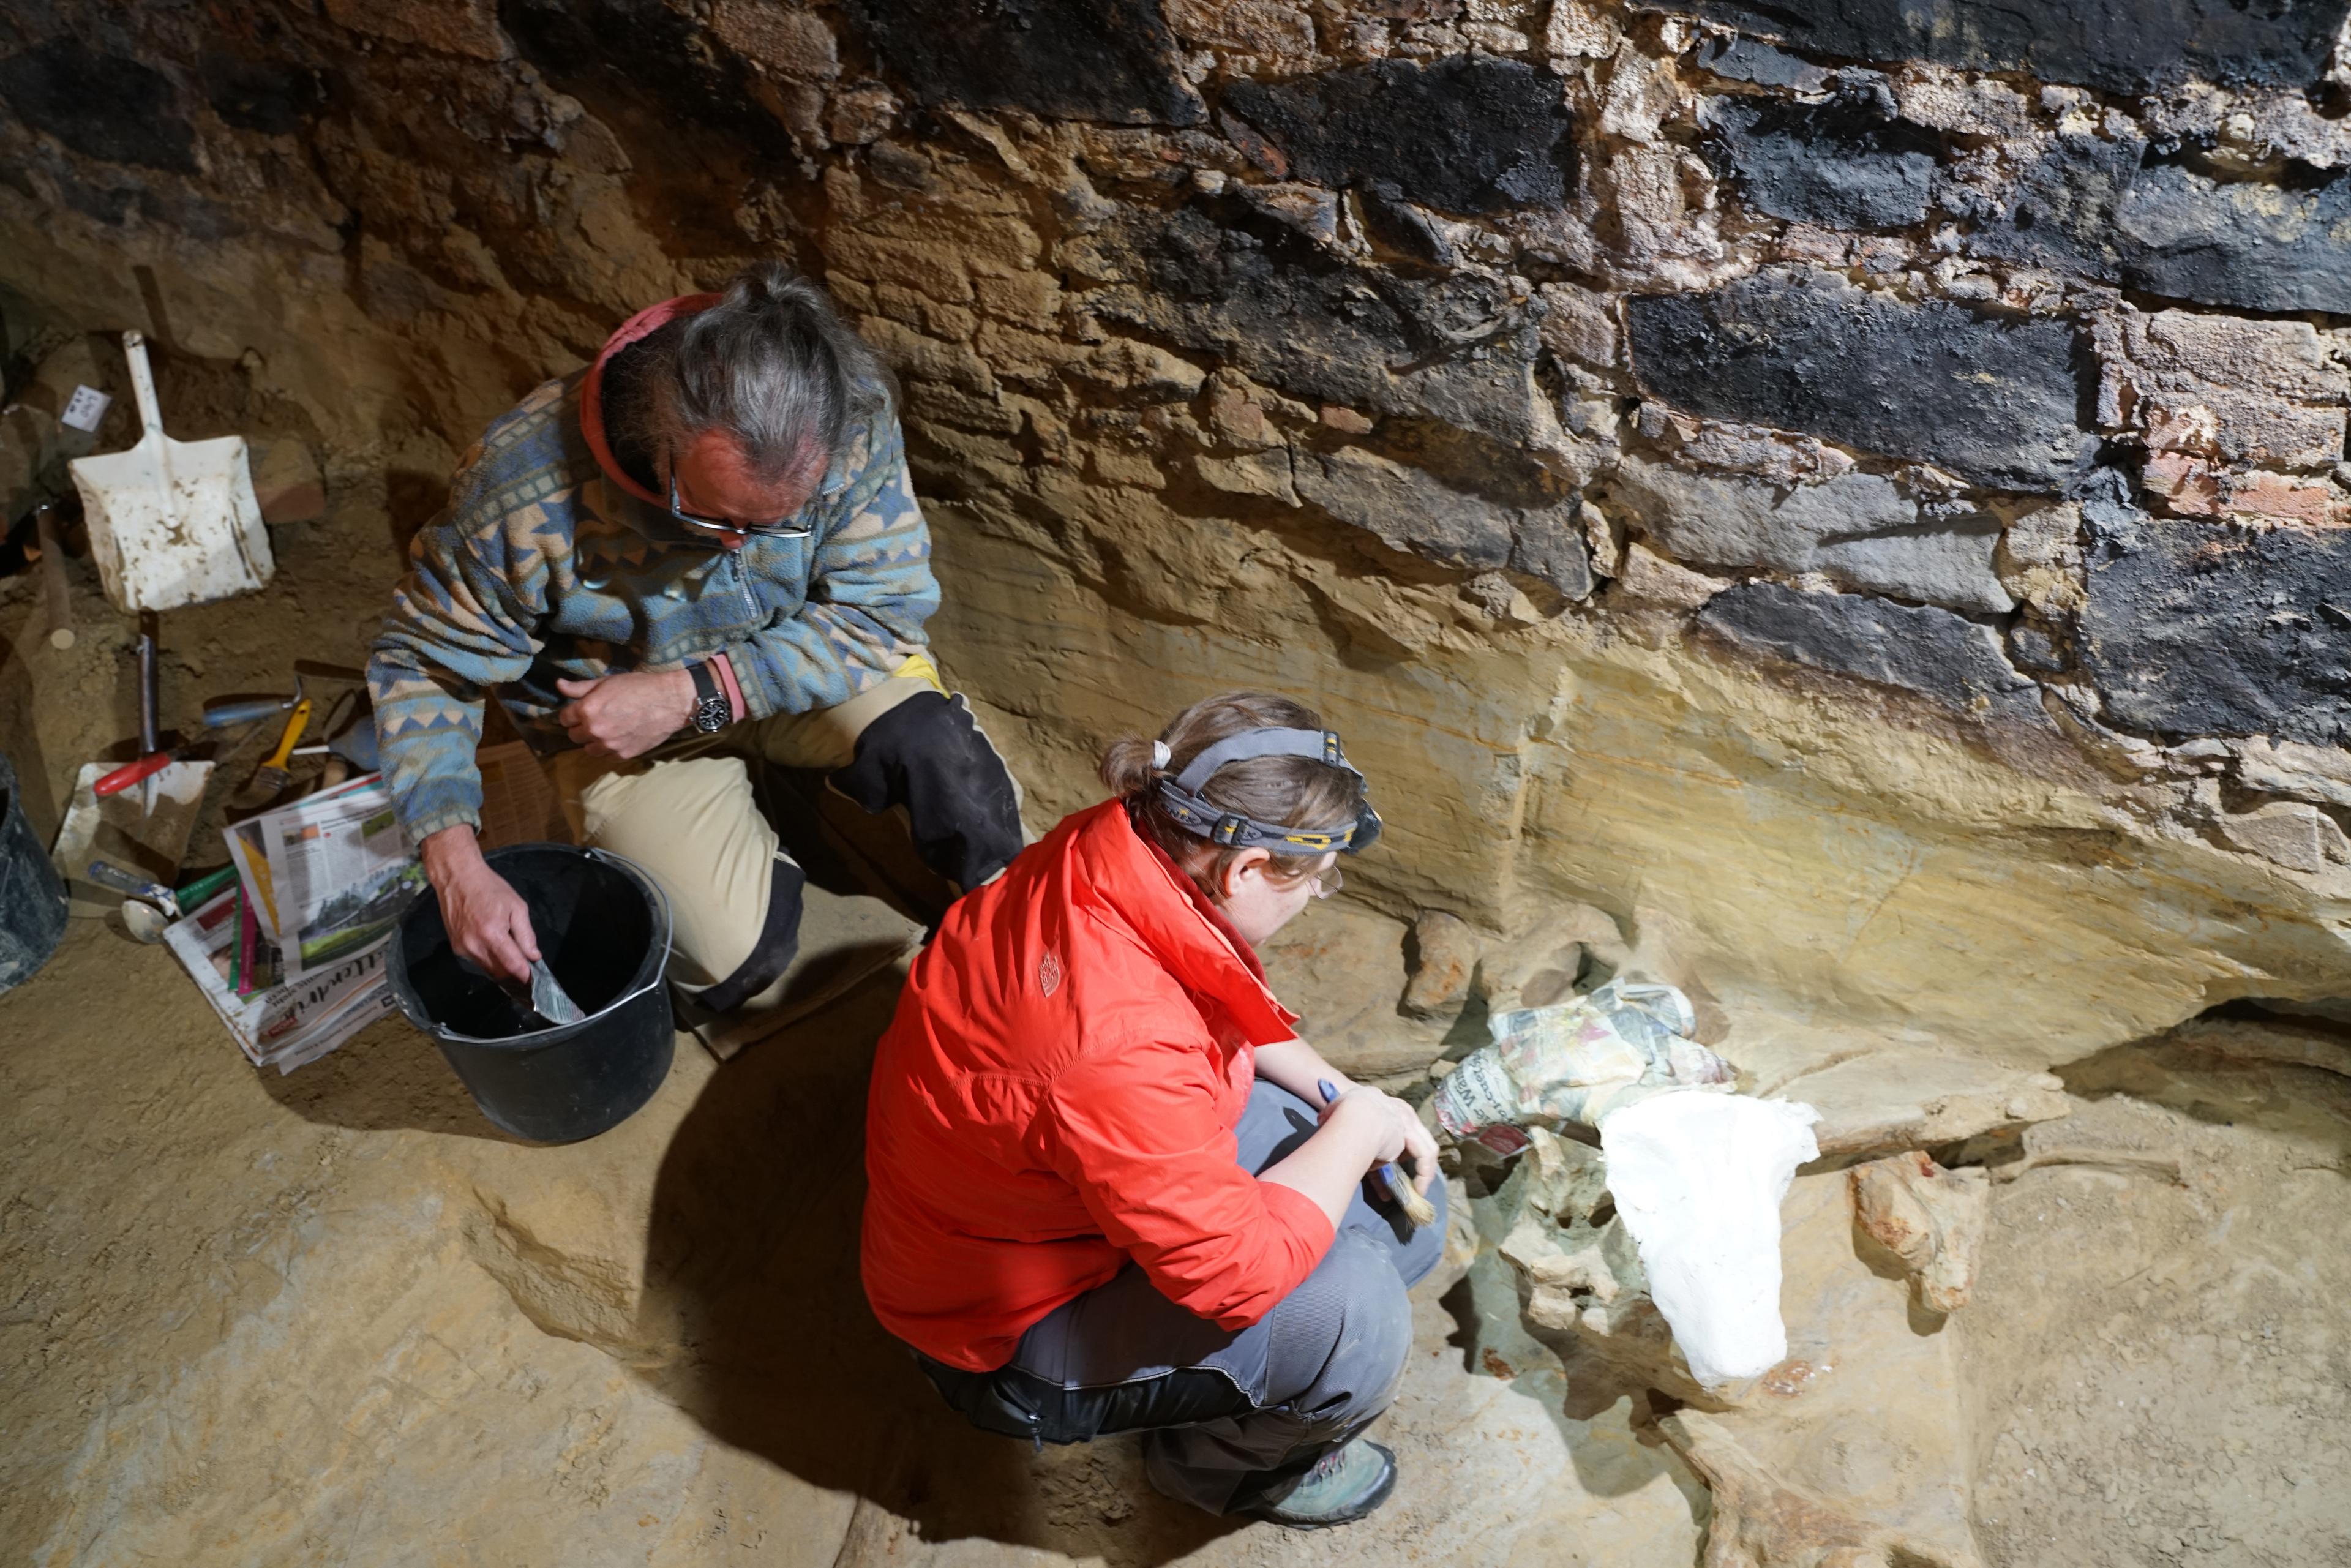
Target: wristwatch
pixel 711 712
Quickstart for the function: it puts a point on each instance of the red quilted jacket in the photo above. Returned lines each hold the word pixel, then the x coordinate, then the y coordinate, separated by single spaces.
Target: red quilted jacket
pixel 1057 1096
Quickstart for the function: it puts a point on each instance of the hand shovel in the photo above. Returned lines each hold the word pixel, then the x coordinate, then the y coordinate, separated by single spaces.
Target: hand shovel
pixel 172 522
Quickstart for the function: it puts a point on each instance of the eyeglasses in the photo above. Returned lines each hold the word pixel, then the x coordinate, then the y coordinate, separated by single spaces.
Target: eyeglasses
pixel 775 530
pixel 1327 882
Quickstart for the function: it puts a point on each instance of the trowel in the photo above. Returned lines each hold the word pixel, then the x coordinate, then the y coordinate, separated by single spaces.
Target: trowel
pixel 546 998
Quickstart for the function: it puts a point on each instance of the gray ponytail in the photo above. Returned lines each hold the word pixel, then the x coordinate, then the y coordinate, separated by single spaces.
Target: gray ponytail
pixel 771 364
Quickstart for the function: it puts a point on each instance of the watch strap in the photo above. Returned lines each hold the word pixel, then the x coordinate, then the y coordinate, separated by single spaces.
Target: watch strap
pixel 712 711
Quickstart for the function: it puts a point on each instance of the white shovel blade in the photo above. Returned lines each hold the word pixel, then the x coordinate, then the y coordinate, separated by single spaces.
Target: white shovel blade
pixel 175 522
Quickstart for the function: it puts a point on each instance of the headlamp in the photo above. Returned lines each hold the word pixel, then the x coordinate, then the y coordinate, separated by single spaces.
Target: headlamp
pixel 1181 798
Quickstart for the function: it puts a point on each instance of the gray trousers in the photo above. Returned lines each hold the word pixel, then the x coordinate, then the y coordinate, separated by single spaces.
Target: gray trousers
pixel 1225 1414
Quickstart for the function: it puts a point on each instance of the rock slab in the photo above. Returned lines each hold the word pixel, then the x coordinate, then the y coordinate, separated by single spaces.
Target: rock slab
pixel 2198 629
pixel 1470 134
pixel 2120 45
pixel 1994 402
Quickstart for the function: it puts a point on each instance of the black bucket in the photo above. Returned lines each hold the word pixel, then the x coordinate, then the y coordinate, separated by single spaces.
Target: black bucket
pixel 31 899
pixel 603 928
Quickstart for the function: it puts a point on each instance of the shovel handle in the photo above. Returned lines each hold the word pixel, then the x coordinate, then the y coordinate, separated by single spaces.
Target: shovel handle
pixel 143 382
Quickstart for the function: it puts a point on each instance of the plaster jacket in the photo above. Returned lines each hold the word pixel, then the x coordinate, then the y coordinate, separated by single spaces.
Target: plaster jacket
pixel 548 565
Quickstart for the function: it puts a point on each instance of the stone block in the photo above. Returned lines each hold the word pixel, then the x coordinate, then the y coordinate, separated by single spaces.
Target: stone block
pixel 2194 629
pixel 1753 60
pixel 468 27
pixel 1411 510
pixel 1857 528
pixel 2264 496
pixel 2319 773
pixel 1843 164
pixel 1469 134
pixel 2246 244
pixel 1142 372
pixel 1267 29
pixel 1111 60
pixel 2092 204
pixel 1408 509
pixel 1992 400
pixel 2294 833
pixel 106 107
pixel 2119 46
pixel 1460 349
pixel 790 42
pixel 1265 473
pixel 1929 652
pixel 1578 325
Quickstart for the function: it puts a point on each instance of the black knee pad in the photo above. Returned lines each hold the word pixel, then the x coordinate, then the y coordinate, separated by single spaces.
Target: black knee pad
pixel 779 942
pixel 929 757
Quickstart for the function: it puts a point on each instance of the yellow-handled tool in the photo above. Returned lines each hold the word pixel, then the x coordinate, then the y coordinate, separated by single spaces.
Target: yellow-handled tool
pixel 270 778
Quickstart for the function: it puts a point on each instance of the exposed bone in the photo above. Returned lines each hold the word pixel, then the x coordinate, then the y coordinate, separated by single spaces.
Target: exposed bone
pixel 1931 1218
pixel 1761 1522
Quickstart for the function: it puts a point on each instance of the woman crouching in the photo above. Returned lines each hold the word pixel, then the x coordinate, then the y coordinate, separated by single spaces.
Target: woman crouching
pixel 1108 1191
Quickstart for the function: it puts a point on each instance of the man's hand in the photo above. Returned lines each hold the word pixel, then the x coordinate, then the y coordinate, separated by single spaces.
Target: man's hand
pixel 486 919
pixel 626 716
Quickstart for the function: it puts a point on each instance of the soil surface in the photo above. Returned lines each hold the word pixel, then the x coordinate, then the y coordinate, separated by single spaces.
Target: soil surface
pixel 336 1317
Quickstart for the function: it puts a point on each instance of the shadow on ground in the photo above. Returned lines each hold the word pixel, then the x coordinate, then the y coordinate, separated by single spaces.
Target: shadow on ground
pixel 752 1269
pixel 388 1076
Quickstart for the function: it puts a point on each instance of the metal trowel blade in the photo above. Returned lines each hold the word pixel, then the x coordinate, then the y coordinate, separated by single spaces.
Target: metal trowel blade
pixel 549 997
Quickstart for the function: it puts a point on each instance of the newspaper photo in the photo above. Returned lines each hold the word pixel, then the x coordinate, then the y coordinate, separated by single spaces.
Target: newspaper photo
pixel 341 872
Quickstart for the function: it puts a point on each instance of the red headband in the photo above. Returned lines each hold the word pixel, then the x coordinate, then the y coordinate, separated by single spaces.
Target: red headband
pixel 645 323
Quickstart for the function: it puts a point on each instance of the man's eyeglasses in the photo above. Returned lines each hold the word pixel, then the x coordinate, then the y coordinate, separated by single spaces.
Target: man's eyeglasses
pixel 779 530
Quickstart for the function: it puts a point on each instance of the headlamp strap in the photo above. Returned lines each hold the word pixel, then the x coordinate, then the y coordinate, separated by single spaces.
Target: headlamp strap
pixel 1319 744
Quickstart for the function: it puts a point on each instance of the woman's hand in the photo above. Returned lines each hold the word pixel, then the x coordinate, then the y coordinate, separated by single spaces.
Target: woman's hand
pixel 1400 1132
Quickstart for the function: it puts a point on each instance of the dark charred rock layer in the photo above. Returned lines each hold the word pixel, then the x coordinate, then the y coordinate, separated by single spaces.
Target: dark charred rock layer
pixel 1993 401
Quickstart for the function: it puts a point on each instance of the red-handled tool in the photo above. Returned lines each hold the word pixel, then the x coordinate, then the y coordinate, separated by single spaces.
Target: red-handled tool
pixel 123 778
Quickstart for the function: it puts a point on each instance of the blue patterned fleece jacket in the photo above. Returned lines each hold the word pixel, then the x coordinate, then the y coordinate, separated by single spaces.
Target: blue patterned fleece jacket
pixel 542 569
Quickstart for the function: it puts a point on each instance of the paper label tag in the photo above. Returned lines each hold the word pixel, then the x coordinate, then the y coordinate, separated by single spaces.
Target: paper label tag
pixel 85 408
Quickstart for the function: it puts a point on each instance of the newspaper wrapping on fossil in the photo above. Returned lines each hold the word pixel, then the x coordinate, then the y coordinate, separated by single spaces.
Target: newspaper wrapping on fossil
pixel 1574 1062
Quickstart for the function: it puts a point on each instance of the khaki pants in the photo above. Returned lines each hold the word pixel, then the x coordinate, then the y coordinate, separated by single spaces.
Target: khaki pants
pixel 688 815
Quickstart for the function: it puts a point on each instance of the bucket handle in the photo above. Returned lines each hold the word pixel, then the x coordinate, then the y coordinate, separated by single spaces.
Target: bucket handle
pixel 660 971
pixel 661 974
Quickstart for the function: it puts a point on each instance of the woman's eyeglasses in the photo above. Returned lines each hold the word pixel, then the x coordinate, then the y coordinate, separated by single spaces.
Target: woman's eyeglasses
pixel 779 529
pixel 1328 883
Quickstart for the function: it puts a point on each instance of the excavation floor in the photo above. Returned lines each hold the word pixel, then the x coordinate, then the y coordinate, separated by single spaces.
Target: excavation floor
pixel 336 1318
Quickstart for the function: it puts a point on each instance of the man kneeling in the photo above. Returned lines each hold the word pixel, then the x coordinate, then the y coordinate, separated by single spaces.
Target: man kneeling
pixel 1108 1190
pixel 700 554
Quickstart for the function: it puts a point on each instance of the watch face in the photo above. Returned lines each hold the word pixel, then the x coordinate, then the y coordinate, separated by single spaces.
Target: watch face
pixel 711 714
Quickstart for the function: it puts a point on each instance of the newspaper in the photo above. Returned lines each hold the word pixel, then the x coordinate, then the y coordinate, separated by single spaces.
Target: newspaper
pixel 288 1024
pixel 328 876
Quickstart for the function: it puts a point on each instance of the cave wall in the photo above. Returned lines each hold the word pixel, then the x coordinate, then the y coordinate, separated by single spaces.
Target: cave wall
pixel 1855 491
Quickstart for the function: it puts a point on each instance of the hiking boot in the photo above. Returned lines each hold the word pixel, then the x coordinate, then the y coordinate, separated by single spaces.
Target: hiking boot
pixel 1344 1485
